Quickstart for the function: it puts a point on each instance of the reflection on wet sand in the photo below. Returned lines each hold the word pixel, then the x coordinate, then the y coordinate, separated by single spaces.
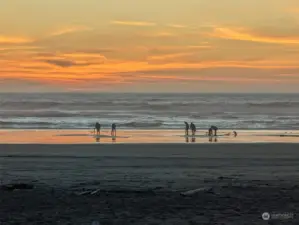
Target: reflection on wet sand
pixel 192 139
pixel 112 138
pixel 213 139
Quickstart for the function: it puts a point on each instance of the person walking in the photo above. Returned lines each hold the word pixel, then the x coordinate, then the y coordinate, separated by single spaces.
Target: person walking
pixel 193 128
pixel 186 128
pixel 97 128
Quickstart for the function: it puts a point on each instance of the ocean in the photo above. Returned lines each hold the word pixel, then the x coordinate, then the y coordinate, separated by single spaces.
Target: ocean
pixel 148 111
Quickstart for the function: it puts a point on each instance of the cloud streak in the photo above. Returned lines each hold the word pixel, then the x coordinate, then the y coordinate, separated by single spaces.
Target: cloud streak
pixel 176 26
pixel 242 34
pixel 69 30
pixel 64 63
pixel 133 23
pixel 15 40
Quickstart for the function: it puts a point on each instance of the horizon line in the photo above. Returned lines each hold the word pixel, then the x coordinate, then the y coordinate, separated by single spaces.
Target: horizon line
pixel 92 92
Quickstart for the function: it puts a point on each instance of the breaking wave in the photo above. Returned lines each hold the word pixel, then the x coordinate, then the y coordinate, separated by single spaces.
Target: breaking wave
pixel 142 111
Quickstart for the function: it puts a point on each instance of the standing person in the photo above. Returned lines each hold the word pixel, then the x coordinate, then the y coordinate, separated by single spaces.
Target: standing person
pixel 186 128
pixel 215 129
pixel 113 129
pixel 193 128
pixel 210 133
pixel 98 128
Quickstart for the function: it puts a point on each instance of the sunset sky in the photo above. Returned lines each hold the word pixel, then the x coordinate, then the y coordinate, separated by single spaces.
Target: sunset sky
pixel 149 45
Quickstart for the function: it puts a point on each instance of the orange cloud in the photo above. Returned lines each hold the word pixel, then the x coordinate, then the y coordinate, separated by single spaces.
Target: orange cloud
pixel 84 55
pixel 133 23
pixel 76 68
pixel 199 46
pixel 156 34
pixel 176 26
pixel 243 34
pixel 14 40
pixel 201 78
pixel 69 30
pixel 162 34
pixel 19 48
pixel 169 56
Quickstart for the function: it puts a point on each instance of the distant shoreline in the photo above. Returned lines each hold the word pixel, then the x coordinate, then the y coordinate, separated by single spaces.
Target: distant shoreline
pixel 145 129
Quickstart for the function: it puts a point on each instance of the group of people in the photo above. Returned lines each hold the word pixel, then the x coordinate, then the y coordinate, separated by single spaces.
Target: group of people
pixel 98 129
pixel 192 127
pixel 211 132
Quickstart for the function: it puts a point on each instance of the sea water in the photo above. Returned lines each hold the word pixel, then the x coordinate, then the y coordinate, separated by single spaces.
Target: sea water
pixel 148 111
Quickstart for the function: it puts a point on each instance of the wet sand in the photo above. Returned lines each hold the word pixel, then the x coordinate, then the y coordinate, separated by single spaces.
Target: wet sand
pixel 144 136
pixel 142 183
pixel 224 205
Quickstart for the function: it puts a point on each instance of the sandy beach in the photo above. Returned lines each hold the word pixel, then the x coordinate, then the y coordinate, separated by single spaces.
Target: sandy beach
pixel 143 183
pixel 86 136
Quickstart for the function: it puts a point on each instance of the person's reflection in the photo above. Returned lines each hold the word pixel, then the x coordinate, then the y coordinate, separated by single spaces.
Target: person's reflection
pixel 187 139
pixel 97 139
pixel 193 139
pixel 113 139
pixel 211 139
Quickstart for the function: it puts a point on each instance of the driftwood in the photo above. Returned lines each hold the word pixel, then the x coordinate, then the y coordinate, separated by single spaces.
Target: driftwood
pixel 90 192
pixel 18 186
pixel 83 193
pixel 194 191
pixel 94 192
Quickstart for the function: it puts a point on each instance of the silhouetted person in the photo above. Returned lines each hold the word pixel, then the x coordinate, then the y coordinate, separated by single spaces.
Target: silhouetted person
pixel 215 129
pixel 235 133
pixel 193 128
pixel 186 128
pixel 113 129
pixel 210 133
pixel 97 128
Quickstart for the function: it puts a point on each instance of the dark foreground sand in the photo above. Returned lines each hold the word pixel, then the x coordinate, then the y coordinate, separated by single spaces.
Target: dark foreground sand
pixel 142 184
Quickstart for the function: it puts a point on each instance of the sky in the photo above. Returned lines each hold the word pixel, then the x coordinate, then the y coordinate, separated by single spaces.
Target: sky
pixel 149 45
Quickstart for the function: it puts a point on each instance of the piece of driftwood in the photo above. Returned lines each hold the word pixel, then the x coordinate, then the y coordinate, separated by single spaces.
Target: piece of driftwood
pixel 194 191
pixel 94 192
pixel 89 192
pixel 18 186
pixel 83 193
